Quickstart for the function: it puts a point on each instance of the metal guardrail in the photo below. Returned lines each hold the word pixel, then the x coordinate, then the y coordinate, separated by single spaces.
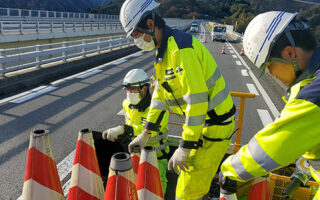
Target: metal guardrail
pixel 24 14
pixel 235 35
pixel 36 27
pixel 15 59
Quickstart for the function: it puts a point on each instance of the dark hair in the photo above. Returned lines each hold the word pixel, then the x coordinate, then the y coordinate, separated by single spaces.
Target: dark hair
pixel 302 38
pixel 158 21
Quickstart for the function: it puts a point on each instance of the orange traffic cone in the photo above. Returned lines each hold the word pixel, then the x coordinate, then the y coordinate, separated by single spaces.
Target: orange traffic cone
pixel 242 52
pixel 260 191
pixel 135 157
pixel 148 180
pixel 86 182
pixel 121 181
pixel 228 196
pixel 223 51
pixel 41 178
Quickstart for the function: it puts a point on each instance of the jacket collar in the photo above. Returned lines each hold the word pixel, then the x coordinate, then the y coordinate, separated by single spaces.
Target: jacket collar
pixel 167 32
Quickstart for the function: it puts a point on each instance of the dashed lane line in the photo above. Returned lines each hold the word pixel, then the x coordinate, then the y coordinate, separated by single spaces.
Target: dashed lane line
pixel 252 89
pixel 265 117
pixel 244 72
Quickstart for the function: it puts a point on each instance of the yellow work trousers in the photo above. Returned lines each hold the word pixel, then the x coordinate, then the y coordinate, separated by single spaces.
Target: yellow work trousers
pixel 203 163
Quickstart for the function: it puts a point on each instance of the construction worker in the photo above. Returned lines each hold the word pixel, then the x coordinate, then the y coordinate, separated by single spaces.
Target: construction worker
pixel 190 83
pixel 277 42
pixel 136 107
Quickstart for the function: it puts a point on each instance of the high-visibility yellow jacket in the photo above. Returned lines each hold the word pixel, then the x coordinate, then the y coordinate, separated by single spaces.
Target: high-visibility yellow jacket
pixel 189 82
pixel 294 133
pixel 135 120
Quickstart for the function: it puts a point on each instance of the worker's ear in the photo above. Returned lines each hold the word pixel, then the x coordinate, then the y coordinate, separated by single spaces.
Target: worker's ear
pixel 288 53
pixel 150 24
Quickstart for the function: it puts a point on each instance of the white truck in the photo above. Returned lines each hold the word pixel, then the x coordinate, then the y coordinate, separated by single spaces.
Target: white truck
pixel 219 33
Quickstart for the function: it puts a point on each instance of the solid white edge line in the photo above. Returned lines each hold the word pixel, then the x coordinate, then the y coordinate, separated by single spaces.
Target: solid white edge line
pixel 265 117
pixel 33 95
pixel 244 72
pixel 120 62
pixel 121 112
pixel 90 74
pixel 264 94
pixel 252 89
pixel 238 62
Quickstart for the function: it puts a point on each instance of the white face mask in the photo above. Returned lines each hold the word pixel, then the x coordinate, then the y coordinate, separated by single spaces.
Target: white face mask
pixel 144 45
pixel 133 98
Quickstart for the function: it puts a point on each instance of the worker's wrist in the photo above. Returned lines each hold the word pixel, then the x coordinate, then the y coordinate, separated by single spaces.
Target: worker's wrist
pixel 147 131
pixel 190 144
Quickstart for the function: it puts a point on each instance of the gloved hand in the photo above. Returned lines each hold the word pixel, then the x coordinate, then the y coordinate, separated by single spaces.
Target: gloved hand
pixel 179 158
pixel 139 141
pixel 113 133
pixel 227 186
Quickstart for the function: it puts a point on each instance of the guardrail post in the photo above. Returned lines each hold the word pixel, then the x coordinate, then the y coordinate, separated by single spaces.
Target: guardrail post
pixel 38 58
pixel 83 26
pixel 38 27
pixel 19 12
pixel 51 27
pixel 1 28
pixel 74 27
pixel 91 26
pixel 64 27
pixel 21 28
pixel 99 47
pixel 1 66
pixel 8 12
pixel 64 54
pixel 83 48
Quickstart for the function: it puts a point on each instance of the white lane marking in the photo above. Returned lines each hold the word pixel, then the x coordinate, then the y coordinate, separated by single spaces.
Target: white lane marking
pixel 252 89
pixel 91 73
pixel 121 112
pixel 14 97
pixel 231 51
pixel 229 47
pixel 238 62
pixel 33 95
pixel 120 62
pixel 244 72
pixel 58 81
pixel 138 54
pixel 265 117
pixel 234 56
pixel 264 94
pixel 66 187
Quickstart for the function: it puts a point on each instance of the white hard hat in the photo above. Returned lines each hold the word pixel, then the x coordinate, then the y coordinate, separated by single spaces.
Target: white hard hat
pixel 132 11
pixel 136 78
pixel 262 32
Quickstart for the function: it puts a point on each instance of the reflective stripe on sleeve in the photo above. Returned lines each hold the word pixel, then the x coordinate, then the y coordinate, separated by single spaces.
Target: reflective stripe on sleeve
pixel 211 82
pixel 158 104
pixel 196 98
pixel 260 156
pixel 157 138
pixel 172 102
pixel 218 99
pixel 239 168
pixel 195 120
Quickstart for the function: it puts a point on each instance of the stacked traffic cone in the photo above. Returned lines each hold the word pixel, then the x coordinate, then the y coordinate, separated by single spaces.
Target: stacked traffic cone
pixel 86 182
pixel 121 181
pixel 41 178
pixel 148 180
pixel 135 157
pixel 242 52
pixel 223 51
pixel 260 191
pixel 228 196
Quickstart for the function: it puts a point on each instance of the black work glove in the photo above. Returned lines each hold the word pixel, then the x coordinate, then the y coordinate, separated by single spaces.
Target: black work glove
pixel 227 186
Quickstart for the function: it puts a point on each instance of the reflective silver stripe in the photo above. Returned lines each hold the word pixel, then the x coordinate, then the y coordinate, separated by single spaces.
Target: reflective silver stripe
pixel 161 147
pixel 196 98
pixel 195 121
pixel 260 156
pixel 169 78
pixel 157 138
pixel 239 168
pixel 157 87
pixel 158 104
pixel 211 82
pixel 218 99
pixel 172 102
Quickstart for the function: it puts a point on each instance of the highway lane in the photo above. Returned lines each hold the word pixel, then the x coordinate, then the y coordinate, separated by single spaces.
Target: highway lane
pixel 92 100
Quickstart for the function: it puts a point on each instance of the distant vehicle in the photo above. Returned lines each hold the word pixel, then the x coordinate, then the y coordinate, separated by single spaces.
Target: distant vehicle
pixel 194 27
pixel 219 33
